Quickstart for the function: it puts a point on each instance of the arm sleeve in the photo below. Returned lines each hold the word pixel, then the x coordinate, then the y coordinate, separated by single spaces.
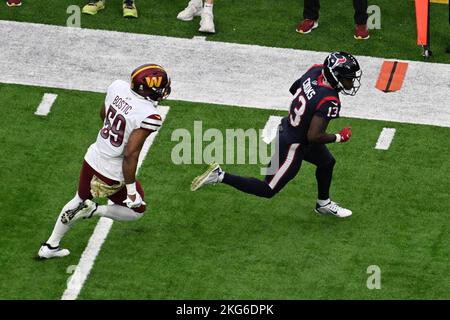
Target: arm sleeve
pixel 295 86
pixel 152 122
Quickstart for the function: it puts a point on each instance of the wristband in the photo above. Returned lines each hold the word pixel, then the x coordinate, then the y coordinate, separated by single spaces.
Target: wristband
pixel 338 138
pixel 131 188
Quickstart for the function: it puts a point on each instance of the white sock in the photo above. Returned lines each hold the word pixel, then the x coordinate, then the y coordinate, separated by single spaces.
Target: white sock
pixel 208 7
pixel 221 175
pixel 323 202
pixel 60 229
pixel 117 213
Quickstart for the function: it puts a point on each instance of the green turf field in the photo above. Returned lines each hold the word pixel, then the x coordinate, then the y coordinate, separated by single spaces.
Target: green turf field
pixel 218 243
pixel 263 22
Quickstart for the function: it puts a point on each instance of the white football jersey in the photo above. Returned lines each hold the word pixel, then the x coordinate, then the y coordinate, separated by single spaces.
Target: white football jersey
pixel 125 111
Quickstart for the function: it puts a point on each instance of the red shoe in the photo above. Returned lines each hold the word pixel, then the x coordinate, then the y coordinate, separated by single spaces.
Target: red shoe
pixel 307 25
pixel 361 32
pixel 13 3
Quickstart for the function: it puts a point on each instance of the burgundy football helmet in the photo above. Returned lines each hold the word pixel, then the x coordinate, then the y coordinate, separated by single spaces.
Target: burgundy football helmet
pixel 151 82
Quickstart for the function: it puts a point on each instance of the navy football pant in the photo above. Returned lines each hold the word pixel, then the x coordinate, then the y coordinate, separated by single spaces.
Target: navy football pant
pixel 290 157
pixel 311 10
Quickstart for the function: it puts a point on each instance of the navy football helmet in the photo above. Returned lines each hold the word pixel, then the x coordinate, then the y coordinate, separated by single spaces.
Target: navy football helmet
pixel 339 66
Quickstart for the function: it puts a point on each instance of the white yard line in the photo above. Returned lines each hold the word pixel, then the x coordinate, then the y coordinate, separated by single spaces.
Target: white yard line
pixel 46 104
pixel 87 260
pixel 385 139
pixel 209 71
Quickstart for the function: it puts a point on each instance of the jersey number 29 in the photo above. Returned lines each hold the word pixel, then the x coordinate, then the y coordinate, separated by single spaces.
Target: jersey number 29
pixel 114 128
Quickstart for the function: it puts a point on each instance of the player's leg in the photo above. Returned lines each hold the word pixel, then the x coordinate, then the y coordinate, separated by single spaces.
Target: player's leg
pixel 119 211
pixel 288 158
pixel 51 248
pixel 361 16
pixel 207 18
pixel 321 157
pixel 310 16
pixel 311 9
pixel 194 8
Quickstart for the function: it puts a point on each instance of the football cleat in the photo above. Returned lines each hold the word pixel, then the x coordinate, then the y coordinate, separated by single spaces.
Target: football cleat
pixel 129 9
pixel 47 252
pixel 334 209
pixel 207 23
pixel 361 32
pixel 213 175
pixel 13 3
pixel 193 9
pixel 307 25
pixel 84 210
pixel 93 7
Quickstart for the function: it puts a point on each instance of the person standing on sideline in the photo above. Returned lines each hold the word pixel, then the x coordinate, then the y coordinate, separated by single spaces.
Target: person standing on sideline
pixel 129 8
pixel 205 11
pixel 311 18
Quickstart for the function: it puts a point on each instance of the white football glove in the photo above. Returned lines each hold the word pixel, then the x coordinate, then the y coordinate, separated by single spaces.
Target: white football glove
pixel 136 203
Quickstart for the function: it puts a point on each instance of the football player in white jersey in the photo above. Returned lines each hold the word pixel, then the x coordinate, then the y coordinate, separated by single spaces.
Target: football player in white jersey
pixel 109 169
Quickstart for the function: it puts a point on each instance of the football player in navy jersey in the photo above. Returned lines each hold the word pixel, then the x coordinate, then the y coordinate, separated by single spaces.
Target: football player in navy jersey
pixel 302 134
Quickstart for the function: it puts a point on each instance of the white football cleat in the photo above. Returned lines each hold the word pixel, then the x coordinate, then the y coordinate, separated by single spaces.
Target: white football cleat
pixel 213 175
pixel 334 209
pixel 84 210
pixel 47 252
pixel 194 8
pixel 207 23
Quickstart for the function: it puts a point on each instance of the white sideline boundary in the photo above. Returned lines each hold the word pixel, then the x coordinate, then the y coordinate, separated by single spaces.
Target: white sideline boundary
pixel 46 104
pixel 209 71
pixel 87 259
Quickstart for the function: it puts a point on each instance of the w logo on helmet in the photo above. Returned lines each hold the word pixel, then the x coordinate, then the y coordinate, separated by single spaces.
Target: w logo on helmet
pixel 154 81
pixel 335 61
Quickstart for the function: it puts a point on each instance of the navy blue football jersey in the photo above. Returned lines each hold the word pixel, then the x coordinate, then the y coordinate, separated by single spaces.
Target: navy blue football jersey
pixel 311 97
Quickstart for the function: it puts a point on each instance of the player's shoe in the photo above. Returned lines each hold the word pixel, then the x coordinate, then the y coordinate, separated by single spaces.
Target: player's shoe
pixel 213 175
pixel 47 252
pixel 84 210
pixel 361 32
pixel 129 9
pixel 334 209
pixel 93 7
pixel 307 25
pixel 193 9
pixel 13 3
pixel 207 23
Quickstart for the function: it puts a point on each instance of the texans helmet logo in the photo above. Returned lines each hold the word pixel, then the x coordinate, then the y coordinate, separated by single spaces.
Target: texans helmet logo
pixel 335 61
